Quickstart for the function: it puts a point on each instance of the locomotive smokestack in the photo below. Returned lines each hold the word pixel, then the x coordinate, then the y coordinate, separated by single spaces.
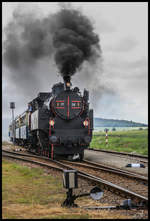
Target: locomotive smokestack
pixel 67 82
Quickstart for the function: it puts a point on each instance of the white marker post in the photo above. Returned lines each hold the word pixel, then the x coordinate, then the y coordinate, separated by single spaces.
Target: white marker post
pixel 106 137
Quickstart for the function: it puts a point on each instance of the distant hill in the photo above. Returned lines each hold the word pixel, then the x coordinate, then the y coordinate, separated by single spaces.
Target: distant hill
pixel 101 122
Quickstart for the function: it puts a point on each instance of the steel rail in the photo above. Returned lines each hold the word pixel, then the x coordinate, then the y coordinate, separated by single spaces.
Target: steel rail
pixel 116 169
pixel 107 185
pixel 96 166
pixel 120 153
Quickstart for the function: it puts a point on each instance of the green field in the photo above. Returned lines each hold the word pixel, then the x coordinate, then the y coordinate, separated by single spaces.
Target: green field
pixel 131 141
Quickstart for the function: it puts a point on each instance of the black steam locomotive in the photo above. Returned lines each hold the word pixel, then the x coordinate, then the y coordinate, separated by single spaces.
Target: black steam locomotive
pixel 56 124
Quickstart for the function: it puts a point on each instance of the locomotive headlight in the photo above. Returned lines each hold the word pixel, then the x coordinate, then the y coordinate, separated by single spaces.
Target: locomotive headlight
pixel 51 122
pixel 85 123
pixel 68 84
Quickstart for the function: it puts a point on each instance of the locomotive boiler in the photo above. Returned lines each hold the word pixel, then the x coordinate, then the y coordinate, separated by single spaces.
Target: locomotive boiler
pixel 56 124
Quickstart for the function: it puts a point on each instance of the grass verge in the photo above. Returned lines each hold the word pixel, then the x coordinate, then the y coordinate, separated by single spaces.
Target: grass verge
pixel 30 193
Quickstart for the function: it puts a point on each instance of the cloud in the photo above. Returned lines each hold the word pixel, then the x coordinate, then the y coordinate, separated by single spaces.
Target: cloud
pixel 127 73
pixel 125 44
pixel 129 78
pixel 104 26
pixel 123 63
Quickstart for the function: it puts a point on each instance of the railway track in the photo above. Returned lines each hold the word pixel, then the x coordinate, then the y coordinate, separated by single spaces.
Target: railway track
pixel 101 167
pixel 138 157
pixel 89 175
pixel 122 178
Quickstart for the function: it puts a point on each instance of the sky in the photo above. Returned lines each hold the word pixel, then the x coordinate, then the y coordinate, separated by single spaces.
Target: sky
pixel 119 89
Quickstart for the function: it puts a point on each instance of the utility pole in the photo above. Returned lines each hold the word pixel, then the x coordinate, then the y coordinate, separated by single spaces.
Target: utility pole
pixel 12 106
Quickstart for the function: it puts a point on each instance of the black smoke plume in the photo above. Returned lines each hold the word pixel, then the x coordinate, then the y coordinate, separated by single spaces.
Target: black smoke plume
pixel 67 35
pixel 74 40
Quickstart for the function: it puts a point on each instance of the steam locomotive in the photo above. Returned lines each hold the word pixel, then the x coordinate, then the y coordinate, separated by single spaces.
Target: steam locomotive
pixel 58 124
